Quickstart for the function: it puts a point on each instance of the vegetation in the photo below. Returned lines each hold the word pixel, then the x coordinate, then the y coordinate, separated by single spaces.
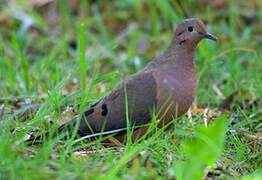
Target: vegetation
pixel 56 58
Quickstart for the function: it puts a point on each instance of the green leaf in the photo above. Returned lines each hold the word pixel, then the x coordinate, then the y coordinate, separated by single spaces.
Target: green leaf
pixel 203 149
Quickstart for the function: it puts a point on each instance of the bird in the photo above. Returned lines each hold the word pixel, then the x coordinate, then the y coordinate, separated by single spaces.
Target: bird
pixel 166 85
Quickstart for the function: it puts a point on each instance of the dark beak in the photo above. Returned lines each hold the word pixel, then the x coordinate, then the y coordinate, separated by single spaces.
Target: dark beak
pixel 210 36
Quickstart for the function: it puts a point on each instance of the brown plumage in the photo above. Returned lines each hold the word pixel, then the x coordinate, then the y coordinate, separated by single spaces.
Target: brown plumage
pixel 166 85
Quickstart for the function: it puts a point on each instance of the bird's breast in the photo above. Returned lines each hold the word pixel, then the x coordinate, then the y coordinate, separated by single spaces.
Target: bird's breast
pixel 175 92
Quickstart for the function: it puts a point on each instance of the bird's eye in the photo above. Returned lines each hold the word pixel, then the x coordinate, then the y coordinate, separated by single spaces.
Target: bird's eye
pixel 190 29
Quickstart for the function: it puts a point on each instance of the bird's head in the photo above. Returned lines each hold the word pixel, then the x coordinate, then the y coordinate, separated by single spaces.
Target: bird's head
pixel 190 32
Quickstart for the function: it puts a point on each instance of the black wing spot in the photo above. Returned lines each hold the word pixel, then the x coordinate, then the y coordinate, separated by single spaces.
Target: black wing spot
pixel 90 111
pixel 181 42
pixel 104 110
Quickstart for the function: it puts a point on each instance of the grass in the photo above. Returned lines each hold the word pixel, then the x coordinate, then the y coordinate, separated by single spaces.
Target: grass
pixel 75 58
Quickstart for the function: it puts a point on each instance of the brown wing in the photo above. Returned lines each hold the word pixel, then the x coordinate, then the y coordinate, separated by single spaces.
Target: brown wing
pixel 110 112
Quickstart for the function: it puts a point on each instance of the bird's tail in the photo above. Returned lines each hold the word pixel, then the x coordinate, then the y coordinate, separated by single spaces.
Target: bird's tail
pixel 60 133
pixel 71 130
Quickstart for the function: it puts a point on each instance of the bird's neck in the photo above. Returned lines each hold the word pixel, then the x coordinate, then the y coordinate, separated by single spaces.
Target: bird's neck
pixel 183 56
